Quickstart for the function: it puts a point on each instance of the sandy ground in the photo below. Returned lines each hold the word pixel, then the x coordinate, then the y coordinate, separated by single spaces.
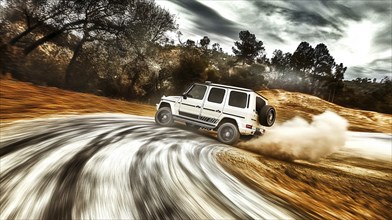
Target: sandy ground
pixel 338 187
pixel 342 185
pixel 290 104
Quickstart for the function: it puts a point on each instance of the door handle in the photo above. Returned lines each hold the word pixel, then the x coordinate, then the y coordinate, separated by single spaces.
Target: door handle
pixel 218 111
pixel 198 106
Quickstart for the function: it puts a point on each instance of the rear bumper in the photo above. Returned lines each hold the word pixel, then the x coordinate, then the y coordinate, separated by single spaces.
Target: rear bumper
pixel 259 132
pixel 252 131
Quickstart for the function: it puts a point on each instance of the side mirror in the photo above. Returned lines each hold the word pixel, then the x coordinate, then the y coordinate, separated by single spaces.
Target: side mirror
pixel 184 95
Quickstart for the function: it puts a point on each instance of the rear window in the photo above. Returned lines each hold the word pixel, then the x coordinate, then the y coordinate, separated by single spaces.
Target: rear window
pixel 216 95
pixel 237 99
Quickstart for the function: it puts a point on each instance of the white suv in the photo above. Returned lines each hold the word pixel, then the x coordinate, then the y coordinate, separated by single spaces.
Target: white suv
pixel 229 110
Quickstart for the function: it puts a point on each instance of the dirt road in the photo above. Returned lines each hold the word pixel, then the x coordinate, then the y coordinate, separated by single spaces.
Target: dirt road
pixel 107 166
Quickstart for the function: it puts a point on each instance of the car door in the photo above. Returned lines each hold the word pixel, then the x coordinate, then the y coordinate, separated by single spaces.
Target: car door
pixel 192 101
pixel 213 105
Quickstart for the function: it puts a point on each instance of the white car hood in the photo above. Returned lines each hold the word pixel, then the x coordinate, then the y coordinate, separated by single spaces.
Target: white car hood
pixel 172 98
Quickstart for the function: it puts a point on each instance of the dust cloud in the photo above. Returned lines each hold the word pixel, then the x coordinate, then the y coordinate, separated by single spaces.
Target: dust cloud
pixel 297 139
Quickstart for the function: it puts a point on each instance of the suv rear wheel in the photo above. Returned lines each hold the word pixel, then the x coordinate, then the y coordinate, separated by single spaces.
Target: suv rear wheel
pixel 228 133
pixel 164 117
pixel 267 115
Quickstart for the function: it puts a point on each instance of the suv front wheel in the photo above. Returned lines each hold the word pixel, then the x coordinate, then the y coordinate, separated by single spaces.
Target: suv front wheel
pixel 228 133
pixel 164 117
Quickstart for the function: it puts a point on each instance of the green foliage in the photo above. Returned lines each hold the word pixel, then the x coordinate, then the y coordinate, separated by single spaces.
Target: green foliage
pixel 303 57
pixel 363 93
pixel 281 64
pixel 204 42
pixel 191 68
pixel 111 54
pixel 249 77
pixel 249 48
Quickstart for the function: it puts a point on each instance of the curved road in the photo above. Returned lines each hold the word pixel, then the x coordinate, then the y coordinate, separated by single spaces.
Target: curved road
pixel 112 166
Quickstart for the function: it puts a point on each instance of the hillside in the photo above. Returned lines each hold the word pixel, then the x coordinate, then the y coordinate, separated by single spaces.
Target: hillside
pixel 290 104
pixel 364 185
pixel 20 100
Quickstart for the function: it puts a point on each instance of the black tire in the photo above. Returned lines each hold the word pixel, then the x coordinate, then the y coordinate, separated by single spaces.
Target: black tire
pixel 267 116
pixel 228 133
pixel 164 117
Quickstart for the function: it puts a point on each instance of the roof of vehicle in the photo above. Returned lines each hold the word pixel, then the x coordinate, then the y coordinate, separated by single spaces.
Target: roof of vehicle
pixel 231 87
pixel 227 86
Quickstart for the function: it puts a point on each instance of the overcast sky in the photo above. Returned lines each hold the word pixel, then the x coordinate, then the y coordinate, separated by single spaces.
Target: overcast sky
pixel 358 33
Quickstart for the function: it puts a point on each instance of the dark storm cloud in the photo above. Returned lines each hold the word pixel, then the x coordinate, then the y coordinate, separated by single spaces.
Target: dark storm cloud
pixel 276 38
pixel 308 18
pixel 381 66
pixel 268 8
pixel 379 7
pixel 208 20
pixel 342 11
pixel 382 61
pixel 357 71
pixel 383 37
pixel 319 35
pixel 368 71
pixel 296 13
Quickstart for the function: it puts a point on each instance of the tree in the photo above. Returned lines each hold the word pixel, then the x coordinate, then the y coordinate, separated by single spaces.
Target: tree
pixel 302 62
pixel 216 48
pixel 248 77
pixel 323 64
pixel 335 80
pixel 281 64
pixel 249 48
pixel 302 58
pixel 91 29
pixel 191 68
pixel 204 42
pixel 134 25
pixel 36 14
pixel 110 17
pixel 190 43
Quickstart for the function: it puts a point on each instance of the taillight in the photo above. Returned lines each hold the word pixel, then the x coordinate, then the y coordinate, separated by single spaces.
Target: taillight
pixel 249 126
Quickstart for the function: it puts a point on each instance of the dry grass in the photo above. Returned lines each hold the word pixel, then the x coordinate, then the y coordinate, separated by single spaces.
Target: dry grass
pixel 20 100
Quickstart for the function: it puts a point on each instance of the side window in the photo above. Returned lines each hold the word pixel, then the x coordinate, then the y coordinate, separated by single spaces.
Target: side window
pixel 238 99
pixel 259 103
pixel 197 92
pixel 216 95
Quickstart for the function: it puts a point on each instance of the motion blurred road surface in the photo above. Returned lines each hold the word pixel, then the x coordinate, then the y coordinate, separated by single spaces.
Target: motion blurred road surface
pixel 112 166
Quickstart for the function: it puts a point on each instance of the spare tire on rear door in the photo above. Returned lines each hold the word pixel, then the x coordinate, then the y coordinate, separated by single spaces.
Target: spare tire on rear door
pixel 267 115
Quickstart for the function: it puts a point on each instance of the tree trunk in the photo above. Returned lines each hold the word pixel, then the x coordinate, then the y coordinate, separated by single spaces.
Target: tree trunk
pixel 41 41
pixel 14 40
pixel 72 62
pixel 333 95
